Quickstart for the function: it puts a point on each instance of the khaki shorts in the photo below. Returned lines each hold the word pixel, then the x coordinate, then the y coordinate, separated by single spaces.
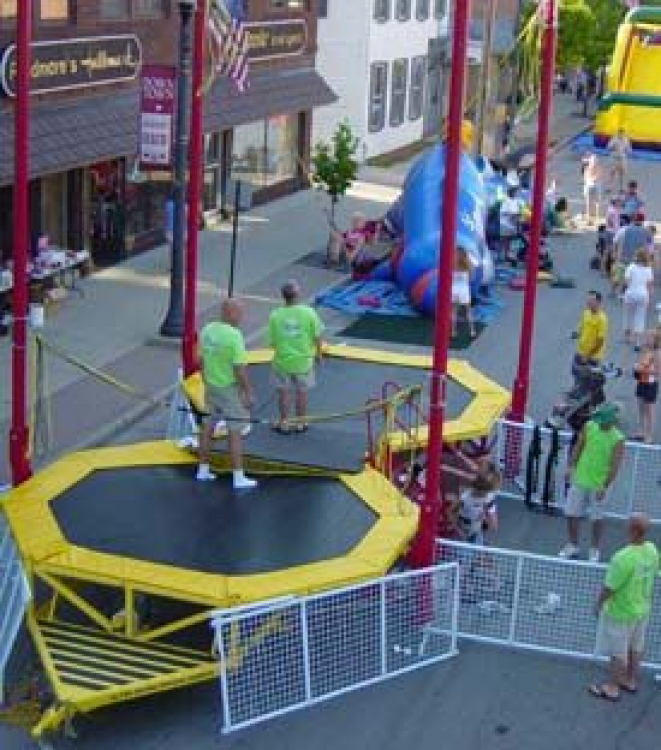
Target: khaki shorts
pixel 225 403
pixel 301 381
pixel 615 638
pixel 582 503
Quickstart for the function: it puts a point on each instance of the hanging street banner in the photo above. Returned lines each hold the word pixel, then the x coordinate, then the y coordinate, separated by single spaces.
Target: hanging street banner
pixel 75 63
pixel 157 100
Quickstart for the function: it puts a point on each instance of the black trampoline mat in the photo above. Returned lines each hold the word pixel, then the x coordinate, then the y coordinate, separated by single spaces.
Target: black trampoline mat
pixel 342 385
pixel 161 514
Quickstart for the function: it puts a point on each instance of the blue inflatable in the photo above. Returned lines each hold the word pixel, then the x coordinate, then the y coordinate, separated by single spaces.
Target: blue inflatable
pixel 416 216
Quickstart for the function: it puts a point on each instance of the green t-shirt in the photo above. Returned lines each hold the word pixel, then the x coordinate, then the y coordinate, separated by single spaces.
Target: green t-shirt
pixel 222 349
pixel 594 462
pixel 630 576
pixel 293 333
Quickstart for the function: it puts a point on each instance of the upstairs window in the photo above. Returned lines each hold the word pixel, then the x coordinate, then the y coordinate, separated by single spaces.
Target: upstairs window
pixel 54 10
pixel 378 93
pixel 400 74
pixel 289 4
pixel 422 10
pixel 417 88
pixel 381 10
pixel 149 8
pixel 402 10
pixel 440 8
pixel 7 8
pixel 114 10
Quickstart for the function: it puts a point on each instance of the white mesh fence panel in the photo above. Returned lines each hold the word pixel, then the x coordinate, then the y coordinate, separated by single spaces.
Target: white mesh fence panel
pixel 292 654
pixel 14 596
pixel 636 488
pixel 533 602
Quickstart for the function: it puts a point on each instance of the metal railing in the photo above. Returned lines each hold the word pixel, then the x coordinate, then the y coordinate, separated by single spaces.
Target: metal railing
pixel 636 488
pixel 14 597
pixel 290 654
pixel 533 602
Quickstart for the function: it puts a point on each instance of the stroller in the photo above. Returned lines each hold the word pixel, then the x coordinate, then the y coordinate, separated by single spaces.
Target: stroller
pixel 576 406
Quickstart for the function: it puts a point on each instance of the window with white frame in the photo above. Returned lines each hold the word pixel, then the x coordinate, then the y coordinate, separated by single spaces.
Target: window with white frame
pixel 382 10
pixel 417 87
pixel 400 74
pixel 440 8
pixel 402 10
pixel 422 10
pixel 378 95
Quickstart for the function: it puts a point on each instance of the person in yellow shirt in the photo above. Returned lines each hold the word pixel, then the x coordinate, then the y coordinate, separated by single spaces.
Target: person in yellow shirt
pixel 592 335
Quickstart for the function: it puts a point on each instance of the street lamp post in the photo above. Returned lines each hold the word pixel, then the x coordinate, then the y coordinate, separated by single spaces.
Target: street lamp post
pixel 173 325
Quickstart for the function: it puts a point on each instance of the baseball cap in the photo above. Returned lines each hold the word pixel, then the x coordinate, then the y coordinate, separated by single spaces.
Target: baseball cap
pixel 606 413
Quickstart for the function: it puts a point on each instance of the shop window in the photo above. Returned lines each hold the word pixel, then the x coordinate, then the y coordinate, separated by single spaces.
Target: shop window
pixel 382 10
pixel 149 8
pixel 378 93
pixel 402 10
pixel 114 10
pixel 212 172
pixel 267 152
pixel 54 10
pixel 417 91
pixel 400 74
pixel 53 209
pixel 282 148
pixel 440 8
pixel 7 8
pixel 422 10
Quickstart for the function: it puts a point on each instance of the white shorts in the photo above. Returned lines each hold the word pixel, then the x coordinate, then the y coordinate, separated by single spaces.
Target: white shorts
pixel 635 312
pixel 300 382
pixel 615 638
pixel 581 503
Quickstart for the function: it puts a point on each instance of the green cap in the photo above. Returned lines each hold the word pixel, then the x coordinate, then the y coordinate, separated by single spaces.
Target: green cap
pixel 606 413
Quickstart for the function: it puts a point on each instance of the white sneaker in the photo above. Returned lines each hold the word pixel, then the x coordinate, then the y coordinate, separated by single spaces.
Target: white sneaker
pixel 204 474
pixel 569 552
pixel 243 482
pixel 593 555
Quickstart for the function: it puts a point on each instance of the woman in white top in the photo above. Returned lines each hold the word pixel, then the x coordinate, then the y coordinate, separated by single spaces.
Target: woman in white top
pixel 592 188
pixel 461 291
pixel 639 279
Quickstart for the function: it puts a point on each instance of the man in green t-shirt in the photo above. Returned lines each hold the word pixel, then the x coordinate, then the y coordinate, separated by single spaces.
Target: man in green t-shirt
pixel 294 333
pixel 623 608
pixel 227 391
pixel 595 461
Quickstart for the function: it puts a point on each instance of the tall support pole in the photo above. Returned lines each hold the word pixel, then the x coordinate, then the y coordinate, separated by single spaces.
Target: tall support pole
pixel 19 438
pixel 484 92
pixel 195 159
pixel 173 325
pixel 422 553
pixel 548 18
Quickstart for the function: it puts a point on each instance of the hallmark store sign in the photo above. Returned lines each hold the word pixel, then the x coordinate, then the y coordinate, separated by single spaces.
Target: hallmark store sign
pixel 75 63
pixel 276 39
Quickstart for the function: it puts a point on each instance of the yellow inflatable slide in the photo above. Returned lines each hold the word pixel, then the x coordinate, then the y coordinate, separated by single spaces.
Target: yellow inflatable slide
pixel 633 86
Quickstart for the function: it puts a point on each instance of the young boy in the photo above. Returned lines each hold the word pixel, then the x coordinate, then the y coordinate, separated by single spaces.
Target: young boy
pixel 475 511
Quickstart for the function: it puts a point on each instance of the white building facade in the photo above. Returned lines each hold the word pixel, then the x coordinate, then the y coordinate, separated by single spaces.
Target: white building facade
pixel 382 58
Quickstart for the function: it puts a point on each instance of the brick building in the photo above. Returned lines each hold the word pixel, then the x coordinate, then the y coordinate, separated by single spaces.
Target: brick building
pixel 87 61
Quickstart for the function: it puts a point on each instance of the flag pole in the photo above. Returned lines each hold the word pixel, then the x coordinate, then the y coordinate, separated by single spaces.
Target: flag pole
pixel 19 433
pixel 422 553
pixel 195 158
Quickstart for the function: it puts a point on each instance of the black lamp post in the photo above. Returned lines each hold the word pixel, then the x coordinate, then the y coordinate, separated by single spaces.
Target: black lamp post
pixel 173 325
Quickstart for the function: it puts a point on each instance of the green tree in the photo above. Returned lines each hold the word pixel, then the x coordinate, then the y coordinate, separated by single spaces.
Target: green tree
pixel 334 166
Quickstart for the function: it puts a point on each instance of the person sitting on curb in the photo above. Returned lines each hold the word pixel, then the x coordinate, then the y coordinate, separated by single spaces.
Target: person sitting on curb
pixel 228 394
pixel 623 609
pixel 593 466
pixel 294 333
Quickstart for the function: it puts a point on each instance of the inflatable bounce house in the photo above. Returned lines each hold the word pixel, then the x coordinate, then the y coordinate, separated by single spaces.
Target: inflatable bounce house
pixel 632 102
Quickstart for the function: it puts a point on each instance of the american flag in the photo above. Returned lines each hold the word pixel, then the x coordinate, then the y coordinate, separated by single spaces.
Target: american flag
pixel 228 41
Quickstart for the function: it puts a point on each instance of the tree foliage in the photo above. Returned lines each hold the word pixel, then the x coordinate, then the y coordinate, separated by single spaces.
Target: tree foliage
pixel 334 164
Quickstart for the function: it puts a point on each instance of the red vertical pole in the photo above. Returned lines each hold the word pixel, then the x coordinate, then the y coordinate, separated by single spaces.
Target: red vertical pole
pixel 195 166
pixel 18 438
pixel 548 17
pixel 422 553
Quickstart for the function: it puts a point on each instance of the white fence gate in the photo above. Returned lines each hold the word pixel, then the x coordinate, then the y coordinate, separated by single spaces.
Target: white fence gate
pixel 636 488
pixel 14 597
pixel 533 602
pixel 293 653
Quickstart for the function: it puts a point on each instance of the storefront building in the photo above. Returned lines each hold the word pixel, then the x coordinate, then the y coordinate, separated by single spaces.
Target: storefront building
pixel 87 191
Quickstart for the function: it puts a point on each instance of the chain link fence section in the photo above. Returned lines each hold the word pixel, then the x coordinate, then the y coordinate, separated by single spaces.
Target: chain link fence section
pixel 527 475
pixel 292 654
pixel 14 597
pixel 533 602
